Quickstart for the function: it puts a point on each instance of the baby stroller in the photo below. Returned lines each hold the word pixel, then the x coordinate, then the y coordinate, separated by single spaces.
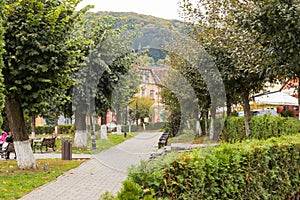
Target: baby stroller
pixel 6 149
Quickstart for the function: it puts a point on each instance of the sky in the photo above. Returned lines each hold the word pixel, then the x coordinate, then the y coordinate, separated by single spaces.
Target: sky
pixel 167 9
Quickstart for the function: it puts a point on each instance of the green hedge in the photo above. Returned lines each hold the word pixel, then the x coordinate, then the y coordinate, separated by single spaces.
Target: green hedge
pixel 149 126
pixel 155 126
pixel 253 169
pixel 44 129
pixel 261 127
pixel 66 129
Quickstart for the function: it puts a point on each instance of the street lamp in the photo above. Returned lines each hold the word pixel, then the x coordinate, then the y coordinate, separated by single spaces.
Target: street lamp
pixel 125 124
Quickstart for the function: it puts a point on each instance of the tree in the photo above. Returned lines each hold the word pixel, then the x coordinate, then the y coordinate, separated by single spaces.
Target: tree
pixel 124 91
pixel 238 55
pixel 277 25
pixel 107 58
pixel 140 108
pixel 1 61
pixel 39 61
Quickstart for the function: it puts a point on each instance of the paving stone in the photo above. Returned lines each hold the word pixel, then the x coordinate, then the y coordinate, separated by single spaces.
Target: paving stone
pixel 103 172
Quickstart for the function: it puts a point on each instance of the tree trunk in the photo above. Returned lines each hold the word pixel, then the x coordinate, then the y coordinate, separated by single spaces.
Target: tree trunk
pixel 198 125
pixel 198 128
pixel 247 115
pixel 118 115
pixel 80 140
pixel 24 153
pixel 33 126
pixel 206 122
pixel 299 100
pixel 103 119
pixel 212 123
pixel 228 105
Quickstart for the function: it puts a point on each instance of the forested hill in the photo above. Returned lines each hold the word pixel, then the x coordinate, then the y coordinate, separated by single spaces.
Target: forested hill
pixel 155 32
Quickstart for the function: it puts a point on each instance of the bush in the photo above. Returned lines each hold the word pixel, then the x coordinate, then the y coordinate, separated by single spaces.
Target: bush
pixel 130 191
pixel 155 126
pixel 287 113
pixel 66 129
pixel 253 169
pixel 45 129
pixel 261 127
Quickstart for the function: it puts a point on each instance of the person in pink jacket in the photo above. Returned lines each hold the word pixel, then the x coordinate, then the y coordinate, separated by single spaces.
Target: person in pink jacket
pixel 3 137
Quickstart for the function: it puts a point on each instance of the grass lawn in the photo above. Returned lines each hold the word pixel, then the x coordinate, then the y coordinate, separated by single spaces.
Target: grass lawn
pixel 187 137
pixel 113 139
pixel 15 182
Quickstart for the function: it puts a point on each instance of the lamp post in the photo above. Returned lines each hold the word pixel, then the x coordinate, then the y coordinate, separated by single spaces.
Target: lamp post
pixel 125 123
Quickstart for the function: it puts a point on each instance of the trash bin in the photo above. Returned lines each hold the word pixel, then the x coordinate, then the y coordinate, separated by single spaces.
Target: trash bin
pixel 66 153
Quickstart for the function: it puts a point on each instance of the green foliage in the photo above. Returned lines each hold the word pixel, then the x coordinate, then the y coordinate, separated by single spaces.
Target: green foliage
pixel 130 191
pixel 266 169
pixel 149 126
pixel 155 125
pixel 66 129
pixel 107 196
pixel 276 23
pixel 140 107
pixel 45 129
pixel 262 127
pixel 173 125
pixel 154 32
pixel 41 51
pixel 1 61
pixel 287 113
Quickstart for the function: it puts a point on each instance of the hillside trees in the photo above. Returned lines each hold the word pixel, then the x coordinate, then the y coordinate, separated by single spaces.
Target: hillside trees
pixel 41 56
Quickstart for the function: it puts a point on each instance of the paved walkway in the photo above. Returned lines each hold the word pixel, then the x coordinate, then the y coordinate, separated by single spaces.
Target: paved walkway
pixel 104 172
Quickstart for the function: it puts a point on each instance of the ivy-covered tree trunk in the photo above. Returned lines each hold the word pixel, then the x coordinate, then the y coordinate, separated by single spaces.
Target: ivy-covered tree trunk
pixel 247 115
pixel 22 145
pixel 80 140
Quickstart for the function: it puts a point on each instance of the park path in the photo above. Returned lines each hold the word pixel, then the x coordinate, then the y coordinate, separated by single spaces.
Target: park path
pixel 103 172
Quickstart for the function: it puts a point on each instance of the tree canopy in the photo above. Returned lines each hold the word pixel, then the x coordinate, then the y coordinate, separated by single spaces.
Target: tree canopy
pixel 40 59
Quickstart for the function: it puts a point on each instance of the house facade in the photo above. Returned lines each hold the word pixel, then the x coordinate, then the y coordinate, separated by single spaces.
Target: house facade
pixel 150 78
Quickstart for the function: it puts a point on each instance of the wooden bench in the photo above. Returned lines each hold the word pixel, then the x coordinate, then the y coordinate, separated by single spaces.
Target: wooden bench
pixel 163 140
pixel 45 142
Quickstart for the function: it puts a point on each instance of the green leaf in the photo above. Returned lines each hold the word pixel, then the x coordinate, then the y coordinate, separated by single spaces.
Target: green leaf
pixel 27 87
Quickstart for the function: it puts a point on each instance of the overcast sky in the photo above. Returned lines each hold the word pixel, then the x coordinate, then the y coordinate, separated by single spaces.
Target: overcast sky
pixel 167 9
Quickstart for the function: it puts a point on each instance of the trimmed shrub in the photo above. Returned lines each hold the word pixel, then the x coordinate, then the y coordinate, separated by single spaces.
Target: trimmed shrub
pixel 149 126
pixel 66 129
pixel 261 127
pixel 233 130
pixel 45 129
pixel 253 169
pixel 155 126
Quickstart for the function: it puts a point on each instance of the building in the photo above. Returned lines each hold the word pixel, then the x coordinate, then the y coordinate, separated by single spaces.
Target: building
pixel 149 87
